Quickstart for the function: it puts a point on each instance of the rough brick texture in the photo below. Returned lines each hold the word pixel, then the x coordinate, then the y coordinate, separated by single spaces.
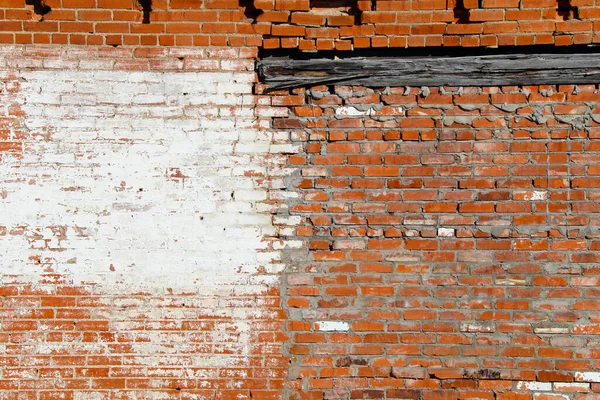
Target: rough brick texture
pixel 451 243
pixel 349 25
pixel 136 238
pixel 120 22
pixel 309 25
pixel 171 231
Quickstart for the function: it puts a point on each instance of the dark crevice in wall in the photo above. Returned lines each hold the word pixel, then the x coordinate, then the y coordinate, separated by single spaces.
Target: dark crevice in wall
pixel 296 54
pixel 472 71
pixel 566 10
pixel 39 6
pixel 250 11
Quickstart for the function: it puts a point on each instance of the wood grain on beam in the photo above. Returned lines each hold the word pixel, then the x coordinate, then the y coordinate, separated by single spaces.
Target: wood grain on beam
pixel 488 70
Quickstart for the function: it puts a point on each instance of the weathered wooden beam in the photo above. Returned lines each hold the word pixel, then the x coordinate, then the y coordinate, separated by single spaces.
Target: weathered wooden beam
pixel 486 70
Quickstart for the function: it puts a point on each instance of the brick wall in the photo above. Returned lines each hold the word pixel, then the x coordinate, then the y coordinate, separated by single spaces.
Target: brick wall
pixel 451 239
pixel 171 231
pixel 309 25
pixel 136 240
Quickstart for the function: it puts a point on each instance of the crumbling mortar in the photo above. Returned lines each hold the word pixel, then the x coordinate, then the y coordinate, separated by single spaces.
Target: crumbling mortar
pixel 528 231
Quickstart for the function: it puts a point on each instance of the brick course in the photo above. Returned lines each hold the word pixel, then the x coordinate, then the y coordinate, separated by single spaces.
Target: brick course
pixel 172 231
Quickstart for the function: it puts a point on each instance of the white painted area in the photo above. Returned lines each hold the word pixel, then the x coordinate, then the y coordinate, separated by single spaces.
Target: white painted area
pixel 351 111
pixel 332 326
pixel 536 195
pixel 593 377
pixel 571 386
pixel 549 331
pixel 445 232
pixel 537 386
pixel 468 327
pixel 555 396
pixel 137 178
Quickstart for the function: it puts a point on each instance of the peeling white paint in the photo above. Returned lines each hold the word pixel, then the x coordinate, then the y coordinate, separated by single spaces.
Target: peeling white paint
pixel 445 232
pixel 555 396
pixel 536 195
pixel 351 111
pixel 587 377
pixel 332 326
pixel 146 183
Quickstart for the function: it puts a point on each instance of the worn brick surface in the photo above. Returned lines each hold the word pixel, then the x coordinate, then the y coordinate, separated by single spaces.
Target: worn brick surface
pixel 450 242
pixel 171 231
pixel 136 238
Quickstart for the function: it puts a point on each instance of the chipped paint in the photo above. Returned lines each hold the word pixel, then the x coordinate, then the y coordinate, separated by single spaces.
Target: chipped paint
pixel 332 326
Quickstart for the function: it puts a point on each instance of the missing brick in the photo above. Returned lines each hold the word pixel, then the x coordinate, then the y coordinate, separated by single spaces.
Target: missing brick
pixel 348 7
pixel 146 10
pixel 566 10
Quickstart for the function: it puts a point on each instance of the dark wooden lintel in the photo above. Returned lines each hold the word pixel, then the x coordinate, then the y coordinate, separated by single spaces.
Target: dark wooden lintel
pixel 485 70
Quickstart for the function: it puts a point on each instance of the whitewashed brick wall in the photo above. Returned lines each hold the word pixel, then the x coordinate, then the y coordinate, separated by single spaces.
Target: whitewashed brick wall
pixel 150 189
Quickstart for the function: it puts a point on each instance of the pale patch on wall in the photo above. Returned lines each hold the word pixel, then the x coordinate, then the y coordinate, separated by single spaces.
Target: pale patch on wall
pixel 332 326
pixel 137 178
